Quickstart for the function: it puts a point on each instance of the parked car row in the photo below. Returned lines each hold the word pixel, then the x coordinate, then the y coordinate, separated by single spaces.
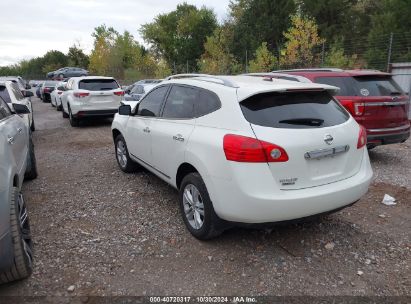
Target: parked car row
pixel 17 163
pixel 67 72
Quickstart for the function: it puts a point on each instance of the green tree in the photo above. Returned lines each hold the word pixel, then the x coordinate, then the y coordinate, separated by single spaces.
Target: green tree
pixel 392 17
pixel 259 21
pixel 303 42
pixel 179 36
pixel 337 58
pixel 77 57
pixel 53 60
pixel 217 58
pixel 264 60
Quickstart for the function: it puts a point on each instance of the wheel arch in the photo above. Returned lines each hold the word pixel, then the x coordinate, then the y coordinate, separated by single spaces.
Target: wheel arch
pixel 182 171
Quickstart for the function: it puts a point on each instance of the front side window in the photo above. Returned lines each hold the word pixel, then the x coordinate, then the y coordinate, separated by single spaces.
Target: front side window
pixel 151 104
pixel 98 84
pixel 180 103
pixel 294 110
pixel 138 89
pixel 4 109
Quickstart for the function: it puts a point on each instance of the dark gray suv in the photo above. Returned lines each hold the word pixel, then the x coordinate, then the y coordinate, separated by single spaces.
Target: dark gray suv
pixel 17 162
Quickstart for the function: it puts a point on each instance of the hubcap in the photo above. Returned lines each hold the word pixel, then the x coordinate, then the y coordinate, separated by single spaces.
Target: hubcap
pixel 193 206
pixel 25 230
pixel 121 154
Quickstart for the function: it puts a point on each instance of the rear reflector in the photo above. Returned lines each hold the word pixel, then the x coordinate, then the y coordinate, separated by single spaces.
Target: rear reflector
pixel 119 93
pixel 362 137
pixel 250 150
pixel 81 95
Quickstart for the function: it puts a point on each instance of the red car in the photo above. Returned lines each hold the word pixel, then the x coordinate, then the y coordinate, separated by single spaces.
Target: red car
pixel 372 97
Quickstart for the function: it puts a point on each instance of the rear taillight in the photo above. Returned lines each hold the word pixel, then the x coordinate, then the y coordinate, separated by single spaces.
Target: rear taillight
pixel 356 108
pixel 250 150
pixel 46 90
pixel 362 138
pixel 119 93
pixel 81 94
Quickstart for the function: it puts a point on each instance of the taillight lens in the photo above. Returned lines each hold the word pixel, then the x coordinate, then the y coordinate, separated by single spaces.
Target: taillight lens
pixel 46 90
pixel 362 138
pixel 81 94
pixel 250 150
pixel 119 93
pixel 356 108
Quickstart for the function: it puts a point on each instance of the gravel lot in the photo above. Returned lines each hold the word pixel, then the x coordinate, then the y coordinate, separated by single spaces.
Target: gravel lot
pixel 102 232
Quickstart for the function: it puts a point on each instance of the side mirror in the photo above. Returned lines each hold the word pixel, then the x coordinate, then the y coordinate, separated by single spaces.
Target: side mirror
pixel 20 108
pixel 124 110
pixel 28 93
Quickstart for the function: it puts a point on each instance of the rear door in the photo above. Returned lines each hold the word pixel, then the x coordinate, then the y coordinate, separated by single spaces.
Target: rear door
pixel 172 131
pixel 139 127
pixel 104 93
pixel 318 135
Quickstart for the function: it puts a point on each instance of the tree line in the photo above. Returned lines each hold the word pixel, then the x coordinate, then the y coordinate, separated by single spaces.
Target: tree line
pixel 256 36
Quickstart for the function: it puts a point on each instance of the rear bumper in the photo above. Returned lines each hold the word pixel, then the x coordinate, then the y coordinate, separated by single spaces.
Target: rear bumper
pixel 263 204
pixel 96 113
pixel 376 137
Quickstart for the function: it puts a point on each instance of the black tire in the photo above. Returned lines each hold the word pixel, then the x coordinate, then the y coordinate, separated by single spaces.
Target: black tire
pixel 31 170
pixel 22 265
pixel 32 127
pixel 212 225
pixel 65 115
pixel 127 165
pixel 74 122
pixel 59 108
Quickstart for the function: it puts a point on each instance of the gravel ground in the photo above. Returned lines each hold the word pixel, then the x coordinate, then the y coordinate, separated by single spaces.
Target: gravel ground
pixel 98 231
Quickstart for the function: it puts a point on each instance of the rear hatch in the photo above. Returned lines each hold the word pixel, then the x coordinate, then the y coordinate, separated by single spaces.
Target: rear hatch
pixel 376 101
pixel 102 93
pixel 317 133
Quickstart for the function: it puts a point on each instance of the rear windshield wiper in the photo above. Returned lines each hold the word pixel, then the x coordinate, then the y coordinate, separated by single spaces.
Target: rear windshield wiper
pixel 303 121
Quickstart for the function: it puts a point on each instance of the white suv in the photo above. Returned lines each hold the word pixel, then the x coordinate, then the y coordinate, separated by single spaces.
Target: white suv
pixel 244 150
pixel 92 96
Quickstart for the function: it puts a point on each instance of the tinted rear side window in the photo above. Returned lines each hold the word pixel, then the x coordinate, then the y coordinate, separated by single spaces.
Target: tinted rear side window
pixel 208 103
pixel 5 94
pixel 98 84
pixel 294 110
pixel 363 85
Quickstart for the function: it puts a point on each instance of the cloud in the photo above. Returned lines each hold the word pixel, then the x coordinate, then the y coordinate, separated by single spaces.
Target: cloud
pixel 42 25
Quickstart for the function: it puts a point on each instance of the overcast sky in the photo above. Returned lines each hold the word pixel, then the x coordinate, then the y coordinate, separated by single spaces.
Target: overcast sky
pixel 30 28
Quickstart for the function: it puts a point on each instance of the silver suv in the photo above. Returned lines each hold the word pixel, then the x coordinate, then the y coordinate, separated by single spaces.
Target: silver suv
pixel 17 162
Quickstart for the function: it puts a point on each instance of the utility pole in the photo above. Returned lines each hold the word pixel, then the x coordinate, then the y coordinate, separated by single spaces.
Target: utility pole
pixel 246 61
pixel 187 67
pixel 389 51
pixel 322 54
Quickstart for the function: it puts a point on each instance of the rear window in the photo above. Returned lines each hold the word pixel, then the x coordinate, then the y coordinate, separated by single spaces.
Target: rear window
pixel 98 84
pixel 294 110
pixel 363 85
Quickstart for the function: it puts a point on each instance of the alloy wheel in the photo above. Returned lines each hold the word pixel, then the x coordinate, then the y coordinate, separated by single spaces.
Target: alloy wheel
pixel 193 206
pixel 121 154
pixel 25 230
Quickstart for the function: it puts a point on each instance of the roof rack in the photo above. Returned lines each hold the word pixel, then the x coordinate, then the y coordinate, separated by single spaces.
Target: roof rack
pixel 310 70
pixel 211 78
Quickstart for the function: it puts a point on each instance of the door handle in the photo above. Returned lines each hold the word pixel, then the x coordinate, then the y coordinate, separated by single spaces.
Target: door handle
pixel 178 137
pixel 10 139
pixel 146 129
pixel 19 130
